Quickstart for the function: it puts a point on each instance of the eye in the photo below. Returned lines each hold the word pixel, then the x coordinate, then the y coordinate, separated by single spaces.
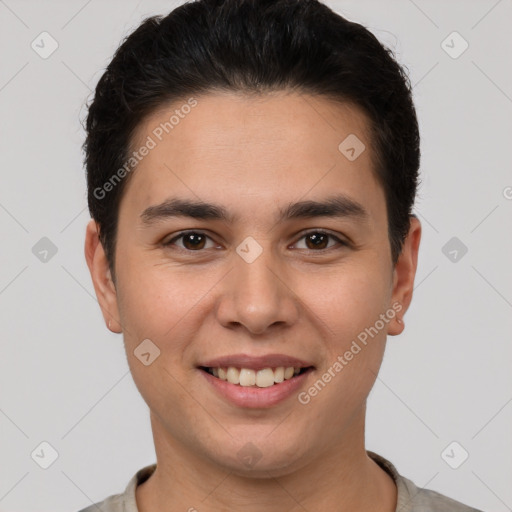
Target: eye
pixel 317 240
pixel 195 241
pixel 192 240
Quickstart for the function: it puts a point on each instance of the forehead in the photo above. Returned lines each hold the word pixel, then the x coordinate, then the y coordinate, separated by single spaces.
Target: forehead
pixel 237 148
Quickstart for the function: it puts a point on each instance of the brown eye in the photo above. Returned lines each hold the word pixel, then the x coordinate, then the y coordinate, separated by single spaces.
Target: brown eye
pixel 318 240
pixel 195 241
pixel 191 240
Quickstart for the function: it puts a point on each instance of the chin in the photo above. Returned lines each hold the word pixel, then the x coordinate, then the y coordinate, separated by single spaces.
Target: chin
pixel 264 468
pixel 260 457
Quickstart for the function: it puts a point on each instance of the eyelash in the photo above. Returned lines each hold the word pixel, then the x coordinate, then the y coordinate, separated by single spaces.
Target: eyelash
pixel 316 231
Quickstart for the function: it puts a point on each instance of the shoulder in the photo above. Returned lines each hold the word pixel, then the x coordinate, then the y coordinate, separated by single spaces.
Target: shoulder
pixel 411 498
pixel 418 499
pixel 113 503
pixel 125 501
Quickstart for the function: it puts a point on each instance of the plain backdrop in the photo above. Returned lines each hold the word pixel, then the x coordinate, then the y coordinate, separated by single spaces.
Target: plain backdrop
pixel 64 377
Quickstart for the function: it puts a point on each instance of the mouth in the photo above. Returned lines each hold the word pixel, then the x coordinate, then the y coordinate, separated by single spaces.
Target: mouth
pixel 256 382
pixel 252 378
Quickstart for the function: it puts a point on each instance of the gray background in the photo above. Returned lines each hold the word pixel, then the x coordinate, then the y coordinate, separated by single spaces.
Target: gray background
pixel 64 378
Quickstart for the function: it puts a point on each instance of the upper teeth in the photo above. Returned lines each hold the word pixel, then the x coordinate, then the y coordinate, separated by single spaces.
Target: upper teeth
pixel 261 378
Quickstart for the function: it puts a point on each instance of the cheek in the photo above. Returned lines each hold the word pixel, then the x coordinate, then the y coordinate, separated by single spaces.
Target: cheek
pixel 169 307
pixel 349 299
pixel 154 299
pixel 353 359
pixel 350 306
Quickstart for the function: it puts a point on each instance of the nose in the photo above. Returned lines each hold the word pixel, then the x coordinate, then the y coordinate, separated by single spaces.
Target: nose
pixel 257 295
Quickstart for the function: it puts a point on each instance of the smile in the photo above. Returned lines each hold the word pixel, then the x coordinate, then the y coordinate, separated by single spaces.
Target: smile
pixel 247 377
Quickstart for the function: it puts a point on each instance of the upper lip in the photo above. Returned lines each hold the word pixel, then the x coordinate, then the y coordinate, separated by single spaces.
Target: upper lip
pixel 255 362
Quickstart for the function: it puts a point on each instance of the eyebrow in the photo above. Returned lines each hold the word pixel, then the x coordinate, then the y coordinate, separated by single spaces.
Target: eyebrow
pixel 338 206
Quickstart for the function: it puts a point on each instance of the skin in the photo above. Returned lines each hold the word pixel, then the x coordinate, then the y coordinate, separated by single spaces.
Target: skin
pixel 254 155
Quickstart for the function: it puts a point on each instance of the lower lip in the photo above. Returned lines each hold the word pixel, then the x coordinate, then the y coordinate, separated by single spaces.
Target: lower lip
pixel 254 397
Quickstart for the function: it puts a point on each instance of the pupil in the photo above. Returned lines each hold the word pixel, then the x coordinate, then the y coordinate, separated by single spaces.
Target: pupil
pixel 318 239
pixel 192 238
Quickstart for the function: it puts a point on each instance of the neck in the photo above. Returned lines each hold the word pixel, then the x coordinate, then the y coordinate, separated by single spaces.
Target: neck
pixel 342 478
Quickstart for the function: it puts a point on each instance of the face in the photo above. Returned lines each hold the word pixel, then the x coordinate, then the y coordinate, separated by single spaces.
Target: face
pixel 264 278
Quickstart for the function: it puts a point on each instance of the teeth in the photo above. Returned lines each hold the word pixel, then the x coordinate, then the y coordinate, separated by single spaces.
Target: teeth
pixel 279 374
pixel 247 377
pixel 233 375
pixel 265 378
pixel 262 378
pixel 288 373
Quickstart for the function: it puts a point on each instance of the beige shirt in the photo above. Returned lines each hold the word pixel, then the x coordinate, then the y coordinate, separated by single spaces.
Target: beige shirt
pixel 410 498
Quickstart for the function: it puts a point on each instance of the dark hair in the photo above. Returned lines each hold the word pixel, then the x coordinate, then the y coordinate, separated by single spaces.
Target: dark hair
pixel 251 46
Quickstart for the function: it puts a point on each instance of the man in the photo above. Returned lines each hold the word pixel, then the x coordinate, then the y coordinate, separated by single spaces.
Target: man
pixel 252 168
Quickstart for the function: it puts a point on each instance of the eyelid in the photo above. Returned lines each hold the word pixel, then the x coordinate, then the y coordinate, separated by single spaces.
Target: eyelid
pixel 323 232
pixel 181 234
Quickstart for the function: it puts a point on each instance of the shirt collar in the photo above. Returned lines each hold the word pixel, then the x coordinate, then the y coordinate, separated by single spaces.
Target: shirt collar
pixel 406 489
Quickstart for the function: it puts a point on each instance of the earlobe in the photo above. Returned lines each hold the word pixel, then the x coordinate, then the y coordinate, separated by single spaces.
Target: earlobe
pixel 101 277
pixel 404 274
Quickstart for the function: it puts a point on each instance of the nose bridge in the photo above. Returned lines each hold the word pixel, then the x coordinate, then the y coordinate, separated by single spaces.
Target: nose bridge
pixel 256 295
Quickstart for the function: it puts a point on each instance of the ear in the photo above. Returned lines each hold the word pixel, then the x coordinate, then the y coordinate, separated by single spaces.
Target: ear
pixel 404 273
pixel 101 277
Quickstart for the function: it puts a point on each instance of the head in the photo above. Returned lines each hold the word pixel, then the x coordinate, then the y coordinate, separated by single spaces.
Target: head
pixel 234 112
